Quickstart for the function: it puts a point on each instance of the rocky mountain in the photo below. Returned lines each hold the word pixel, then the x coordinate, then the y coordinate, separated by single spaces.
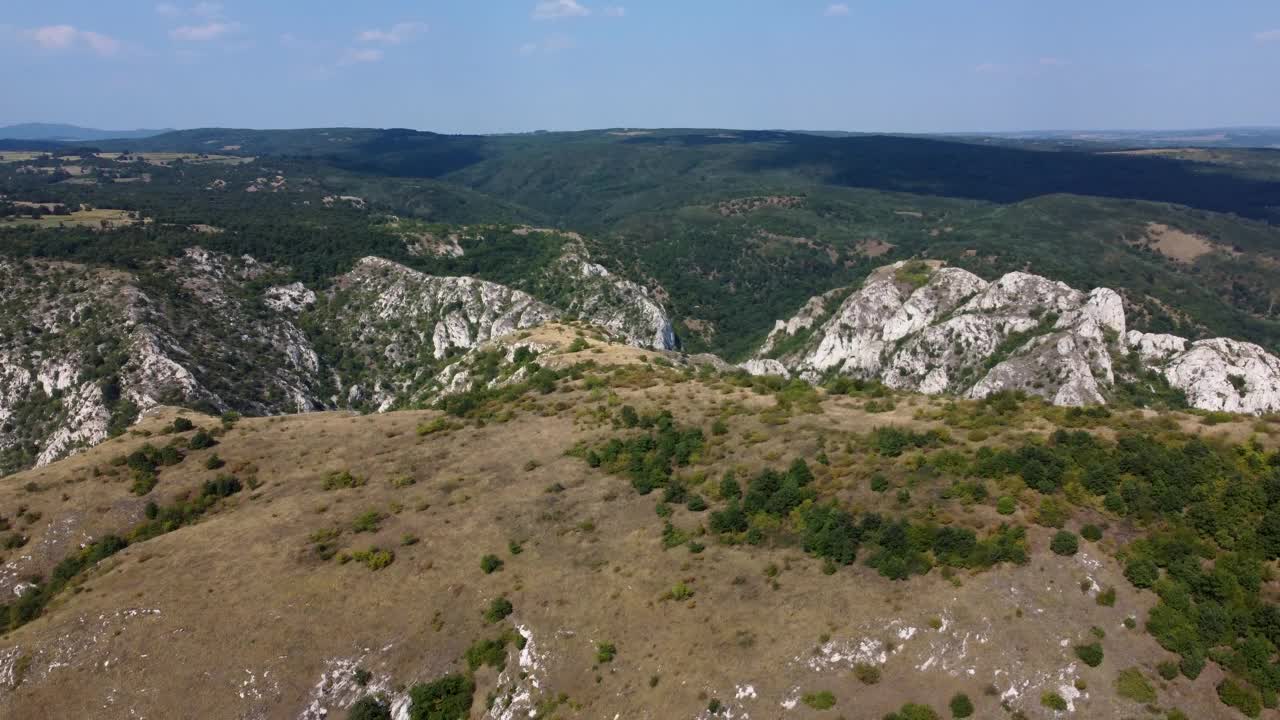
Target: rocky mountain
pixel 85 350
pixel 928 328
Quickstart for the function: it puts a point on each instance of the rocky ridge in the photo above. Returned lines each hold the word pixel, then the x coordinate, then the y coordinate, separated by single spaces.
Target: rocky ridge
pixel 85 350
pixel 928 328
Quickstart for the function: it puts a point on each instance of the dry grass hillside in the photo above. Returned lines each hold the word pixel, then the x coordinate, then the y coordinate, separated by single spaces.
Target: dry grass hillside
pixel 348 563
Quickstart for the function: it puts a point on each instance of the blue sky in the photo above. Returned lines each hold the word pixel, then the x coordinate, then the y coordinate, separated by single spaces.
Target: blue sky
pixel 516 65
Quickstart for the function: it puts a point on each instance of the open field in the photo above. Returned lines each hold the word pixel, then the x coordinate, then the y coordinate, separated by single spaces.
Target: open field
pixel 97 219
pixel 167 158
pixel 10 156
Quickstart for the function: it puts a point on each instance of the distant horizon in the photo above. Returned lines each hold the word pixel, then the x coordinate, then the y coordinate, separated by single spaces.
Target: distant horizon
pixel 1025 131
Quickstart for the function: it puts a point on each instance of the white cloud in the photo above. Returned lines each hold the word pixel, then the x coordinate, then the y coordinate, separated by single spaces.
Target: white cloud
pixel 65 37
pixel 550 44
pixel 553 9
pixel 99 43
pixel 353 56
pixel 837 10
pixel 400 32
pixel 54 37
pixel 203 33
pixel 615 11
pixel 1267 36
pixel 291 41
pixel 168 10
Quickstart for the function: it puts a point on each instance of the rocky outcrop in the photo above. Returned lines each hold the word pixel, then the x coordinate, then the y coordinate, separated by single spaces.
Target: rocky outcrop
pixel 403 325
pixel 934 329
pixel 1223 374
pixel 623 307
pixel 84 350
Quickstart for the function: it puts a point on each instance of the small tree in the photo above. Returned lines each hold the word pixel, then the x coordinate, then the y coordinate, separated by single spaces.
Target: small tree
pixel 1064 543
pixel 1090 654
pixel 498 610
pixel 369 708
pixel 961 706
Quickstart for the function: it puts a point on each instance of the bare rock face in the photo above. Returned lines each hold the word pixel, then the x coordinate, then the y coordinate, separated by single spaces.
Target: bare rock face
pixel 955 333
pixel 403 324
pixel 1223 374
pixel 623 307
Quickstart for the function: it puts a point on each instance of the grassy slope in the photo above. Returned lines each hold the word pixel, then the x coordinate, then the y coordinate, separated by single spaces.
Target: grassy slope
pixel 239 616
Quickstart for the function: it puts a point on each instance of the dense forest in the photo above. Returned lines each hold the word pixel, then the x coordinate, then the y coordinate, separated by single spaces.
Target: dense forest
pixel 733 229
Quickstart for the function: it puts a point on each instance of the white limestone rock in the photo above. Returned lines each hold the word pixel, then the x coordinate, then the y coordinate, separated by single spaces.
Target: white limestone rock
pixel 1230 375
pixel 961 335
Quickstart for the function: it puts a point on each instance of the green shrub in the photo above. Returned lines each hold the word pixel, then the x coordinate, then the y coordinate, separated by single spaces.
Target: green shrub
pixel 961 706
pixel 822 700
pixel 1053 701
pixel 1131 684
pixel 1006 505
pixel 1142 572
pixel 490 564
pixel 1091 532
pixel 492 653
pixel 729 487
pixel 201 440
pixel 696 503
pixel 213 462
pixel 221 487
pixel 1052 513
pixel 143 483
pixel 374 558
pixel 605 652
pixel 342 479
pixel 867 673
pixel 1064 543
pixel 1107 598
pixel 1241 697
pixel 448 698
pixel 367 522
pixel 1167 669
pixel 1090 654
pixel 498 610
pixel 879 483
pixel 913 711
pixel 181 424
pixel 369 708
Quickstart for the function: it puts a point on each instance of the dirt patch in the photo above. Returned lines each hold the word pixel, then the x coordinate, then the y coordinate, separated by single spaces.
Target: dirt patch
pixel 874 247
pixel 1175 244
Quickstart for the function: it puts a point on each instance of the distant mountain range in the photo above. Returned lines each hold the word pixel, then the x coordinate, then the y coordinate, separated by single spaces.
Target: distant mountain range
pixel 70 133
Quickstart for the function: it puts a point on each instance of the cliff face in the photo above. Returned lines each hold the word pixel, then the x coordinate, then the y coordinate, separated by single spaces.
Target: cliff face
pixel 84 351
pixel 933 329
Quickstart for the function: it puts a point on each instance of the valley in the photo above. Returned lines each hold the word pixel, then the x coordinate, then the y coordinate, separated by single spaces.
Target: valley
pixel 605 424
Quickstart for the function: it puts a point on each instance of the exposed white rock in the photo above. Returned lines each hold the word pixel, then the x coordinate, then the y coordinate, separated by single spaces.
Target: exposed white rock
pixel 294 298
pixel 959 334
pixel 1155 348
pixel 621 306
pixel 765 366
pixel 1230 375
